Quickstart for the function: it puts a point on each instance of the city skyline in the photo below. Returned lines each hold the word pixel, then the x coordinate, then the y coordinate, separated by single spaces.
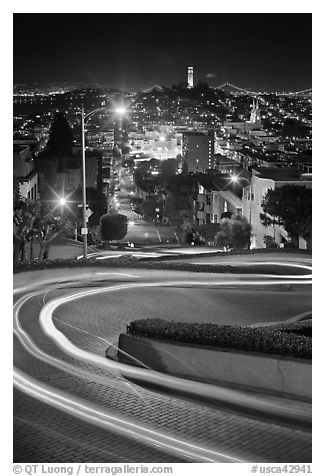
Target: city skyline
pixel 133 51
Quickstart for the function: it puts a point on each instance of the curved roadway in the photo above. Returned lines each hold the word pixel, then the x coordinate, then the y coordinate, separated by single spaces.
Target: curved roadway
pixel 71 404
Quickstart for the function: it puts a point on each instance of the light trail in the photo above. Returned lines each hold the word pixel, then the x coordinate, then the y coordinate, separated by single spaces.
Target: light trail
pixel 167 381
pixel 170 382
pixel 135 255
pixel 83 410
pixel 31 347
pixel 107 273
pixel 108 257
pixel 90 275
pixel 93 414
pixel 267 263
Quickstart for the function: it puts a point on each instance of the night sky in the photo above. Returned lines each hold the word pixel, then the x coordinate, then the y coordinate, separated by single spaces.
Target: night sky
pixel 266 51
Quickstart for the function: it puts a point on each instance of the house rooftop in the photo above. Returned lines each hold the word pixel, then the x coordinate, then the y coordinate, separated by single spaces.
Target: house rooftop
pixel 222 159
pixel 219 182
pixel 278 174
pixel 17 148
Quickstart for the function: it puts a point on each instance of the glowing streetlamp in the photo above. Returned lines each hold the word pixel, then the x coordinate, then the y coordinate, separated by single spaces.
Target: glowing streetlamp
pixel 62 201
pixel 236 179
pixel 120 110
pixel 84 229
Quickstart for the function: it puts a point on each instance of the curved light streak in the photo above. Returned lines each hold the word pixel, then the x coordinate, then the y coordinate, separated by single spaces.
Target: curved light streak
pixel 269 263
pixel 27 384
pixel 94 415
pixel 168 381
pixel 90 413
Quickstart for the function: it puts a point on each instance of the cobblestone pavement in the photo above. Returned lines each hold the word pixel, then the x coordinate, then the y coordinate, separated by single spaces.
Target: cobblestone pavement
pixel 45 434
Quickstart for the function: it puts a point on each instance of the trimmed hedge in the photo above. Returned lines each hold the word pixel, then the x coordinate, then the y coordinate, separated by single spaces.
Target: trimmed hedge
pixel 256 268
pixel 268 340
pixel 303 327
pixel 74 263
pixel 153 263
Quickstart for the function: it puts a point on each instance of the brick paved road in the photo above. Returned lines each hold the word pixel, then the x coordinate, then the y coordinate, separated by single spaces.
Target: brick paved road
pixel 43 433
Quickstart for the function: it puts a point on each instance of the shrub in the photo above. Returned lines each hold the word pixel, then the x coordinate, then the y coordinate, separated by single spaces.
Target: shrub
pixel 269 242
pixel 303 327
pixel 126 260
pixel 113 226
pixel 262 339
pixel 163 262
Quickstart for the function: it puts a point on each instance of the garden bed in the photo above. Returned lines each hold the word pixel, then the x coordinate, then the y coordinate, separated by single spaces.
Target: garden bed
pixel 289 340
pixel 169 263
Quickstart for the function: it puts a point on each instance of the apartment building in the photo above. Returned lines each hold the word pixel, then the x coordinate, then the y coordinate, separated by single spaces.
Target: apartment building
pixel 25 176
pixel 198 151
pixel 215 196
pixel 264 179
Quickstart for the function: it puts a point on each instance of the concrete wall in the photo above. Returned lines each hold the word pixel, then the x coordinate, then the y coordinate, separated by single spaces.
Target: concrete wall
pixel 269 374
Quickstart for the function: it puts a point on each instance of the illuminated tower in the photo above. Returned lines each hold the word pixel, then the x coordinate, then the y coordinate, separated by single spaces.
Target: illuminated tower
pixel 190 76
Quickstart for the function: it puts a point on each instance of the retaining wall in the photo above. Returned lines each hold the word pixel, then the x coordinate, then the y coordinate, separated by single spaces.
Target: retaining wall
pixel 270 374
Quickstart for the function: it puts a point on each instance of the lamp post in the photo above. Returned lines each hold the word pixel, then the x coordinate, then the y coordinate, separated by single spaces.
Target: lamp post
pixel 235 179
pixel 84 229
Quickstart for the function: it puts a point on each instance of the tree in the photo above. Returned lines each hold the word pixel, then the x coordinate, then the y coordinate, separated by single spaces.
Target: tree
pixel 36 221
pixel 116 153
pixel 224 236
pixel 96 202
pixel 226 215
pixel 182 86
pixel 148 208
pixel 136 204
pixel 47 226
pixel 289 206
pixel 234 233
pixel 128 163
pixel 61 137
pixel 113 226
pixel 208 231
pixel 25 213
pixel 294 128
pixel 202 86
pixel 241 232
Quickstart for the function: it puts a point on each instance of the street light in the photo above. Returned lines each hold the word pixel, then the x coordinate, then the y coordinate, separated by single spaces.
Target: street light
pixel 236 179
pixel 84 230
pixel 121 110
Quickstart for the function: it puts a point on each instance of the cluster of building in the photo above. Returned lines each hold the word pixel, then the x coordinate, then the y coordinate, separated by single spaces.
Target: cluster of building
pixel 264 140
pixel 203 135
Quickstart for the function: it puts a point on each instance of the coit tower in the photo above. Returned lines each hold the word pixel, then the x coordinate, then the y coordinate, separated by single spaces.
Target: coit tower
pixel 190 76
